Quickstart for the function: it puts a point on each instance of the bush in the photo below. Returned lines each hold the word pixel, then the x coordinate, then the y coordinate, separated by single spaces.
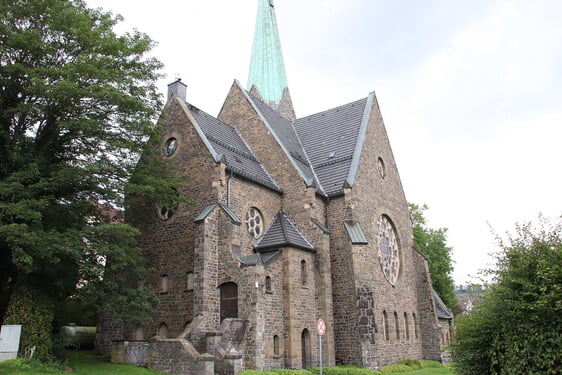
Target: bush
pixel 396 368
pixel 32 364
pixel 412 363
pixel 430 364
pixel 276 372
pixel 345 370
pixel 35 313
pixel 516 329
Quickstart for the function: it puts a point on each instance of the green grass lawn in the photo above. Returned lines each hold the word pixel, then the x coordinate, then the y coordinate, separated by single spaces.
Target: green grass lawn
pixel 81 362
pixel 87 363
pixel 425 371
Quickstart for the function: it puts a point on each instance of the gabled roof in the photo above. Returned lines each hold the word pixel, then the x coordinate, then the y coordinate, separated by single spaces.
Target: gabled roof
pixel 355 232
pixel 443 311
pixel 333 140
pixel 287 137
pixel 282 232
pixel 210 208
pixel 228 146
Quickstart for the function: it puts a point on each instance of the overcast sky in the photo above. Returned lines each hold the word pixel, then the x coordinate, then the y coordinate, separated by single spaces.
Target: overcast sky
pixel 470 91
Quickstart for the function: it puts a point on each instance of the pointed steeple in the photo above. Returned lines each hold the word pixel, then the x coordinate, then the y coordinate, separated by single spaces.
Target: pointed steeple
pixel 267 78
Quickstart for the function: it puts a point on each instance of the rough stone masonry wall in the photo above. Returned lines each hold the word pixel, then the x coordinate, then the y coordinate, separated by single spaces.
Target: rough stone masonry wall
pixel 298 201
pixel 168 245
pixel 177 356
pixel 428 329
pixel 300 312
pixel 375 194
pixel 245 195
pixel 108 328
pixel 273 308
pixel 347 346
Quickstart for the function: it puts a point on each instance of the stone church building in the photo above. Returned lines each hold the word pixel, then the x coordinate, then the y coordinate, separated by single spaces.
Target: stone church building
pixel 287 220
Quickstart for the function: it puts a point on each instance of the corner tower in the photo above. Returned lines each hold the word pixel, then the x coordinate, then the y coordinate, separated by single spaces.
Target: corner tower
pixel 267 78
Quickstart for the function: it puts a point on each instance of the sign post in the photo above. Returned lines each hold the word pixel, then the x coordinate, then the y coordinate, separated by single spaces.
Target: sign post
pixel 321 329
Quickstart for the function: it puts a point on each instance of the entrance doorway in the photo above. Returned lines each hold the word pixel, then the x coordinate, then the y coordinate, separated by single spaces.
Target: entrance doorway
pixel 306 349
pixel 229 301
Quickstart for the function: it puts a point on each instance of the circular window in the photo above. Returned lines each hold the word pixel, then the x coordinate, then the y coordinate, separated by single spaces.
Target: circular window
pixel 381 167
pixel 254 221
pixel 164 212
pixel 171 146
pixel 389 254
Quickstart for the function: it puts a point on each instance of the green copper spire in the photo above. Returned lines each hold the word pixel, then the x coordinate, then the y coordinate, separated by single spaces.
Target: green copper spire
pixel 267 69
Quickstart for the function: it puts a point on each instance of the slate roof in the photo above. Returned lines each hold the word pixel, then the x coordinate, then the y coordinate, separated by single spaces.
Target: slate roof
pixel 287 135
pixel 355 232
pixel 325 147
pixel 282 232
pixel 237 155
pixel 330 139
pixel 207 211
pixel 443 311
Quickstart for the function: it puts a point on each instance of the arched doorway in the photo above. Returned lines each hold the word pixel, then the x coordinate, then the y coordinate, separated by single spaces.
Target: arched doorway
pixel 229 301
pixel 306 349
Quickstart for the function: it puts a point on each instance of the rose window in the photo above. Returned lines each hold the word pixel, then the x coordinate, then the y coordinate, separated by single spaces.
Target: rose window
pixel 254 221
pixel 389 254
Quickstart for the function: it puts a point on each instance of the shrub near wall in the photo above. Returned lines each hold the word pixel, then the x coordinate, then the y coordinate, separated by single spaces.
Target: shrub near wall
pixel 35 314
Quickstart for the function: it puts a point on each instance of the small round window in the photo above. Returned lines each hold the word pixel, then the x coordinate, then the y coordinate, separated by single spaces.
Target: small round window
pixel 164 212
pixel 254 221
pixel 171 146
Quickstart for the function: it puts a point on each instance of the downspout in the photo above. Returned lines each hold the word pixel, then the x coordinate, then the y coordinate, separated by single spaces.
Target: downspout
pixel 228 190
pixel 326 214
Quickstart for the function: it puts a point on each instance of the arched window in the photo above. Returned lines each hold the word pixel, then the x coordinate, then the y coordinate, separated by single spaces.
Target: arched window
pixel 306 349
pixel 268 284
pixel 397 325
pixel 304 273
pixel 385 325
pixel 254 222
pixel 276 345
pixel 189 281
pixel 228 301
pixel 415 326
pixel 163 330
pixel 164 284
pixel 406 326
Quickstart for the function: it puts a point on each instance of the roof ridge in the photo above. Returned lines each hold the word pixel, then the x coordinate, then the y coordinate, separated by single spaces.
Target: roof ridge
pixel 251 99
pixel 232 148
pixel 330 109
pixel 350 179
pixel 317 183
pixel 296 229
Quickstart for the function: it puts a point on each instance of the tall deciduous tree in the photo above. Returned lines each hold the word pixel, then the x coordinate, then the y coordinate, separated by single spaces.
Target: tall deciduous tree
pixel 433 243
pixel 516 328
pixel 77 106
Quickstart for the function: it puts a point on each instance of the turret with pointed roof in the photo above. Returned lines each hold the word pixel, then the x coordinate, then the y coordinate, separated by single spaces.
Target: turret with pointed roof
pixel 267 78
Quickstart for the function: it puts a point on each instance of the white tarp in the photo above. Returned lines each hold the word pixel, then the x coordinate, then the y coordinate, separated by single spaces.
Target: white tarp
pixel 9 341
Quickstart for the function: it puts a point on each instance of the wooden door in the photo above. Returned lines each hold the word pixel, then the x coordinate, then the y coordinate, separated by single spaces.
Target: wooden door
pixel 229 301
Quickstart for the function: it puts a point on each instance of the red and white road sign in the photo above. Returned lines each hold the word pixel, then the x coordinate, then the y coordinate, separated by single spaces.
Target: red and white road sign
pixel 321 327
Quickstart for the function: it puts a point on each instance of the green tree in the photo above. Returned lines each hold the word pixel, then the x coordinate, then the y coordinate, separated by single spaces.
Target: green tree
pixel 516 329
pixel 433 243
pixel 77 106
